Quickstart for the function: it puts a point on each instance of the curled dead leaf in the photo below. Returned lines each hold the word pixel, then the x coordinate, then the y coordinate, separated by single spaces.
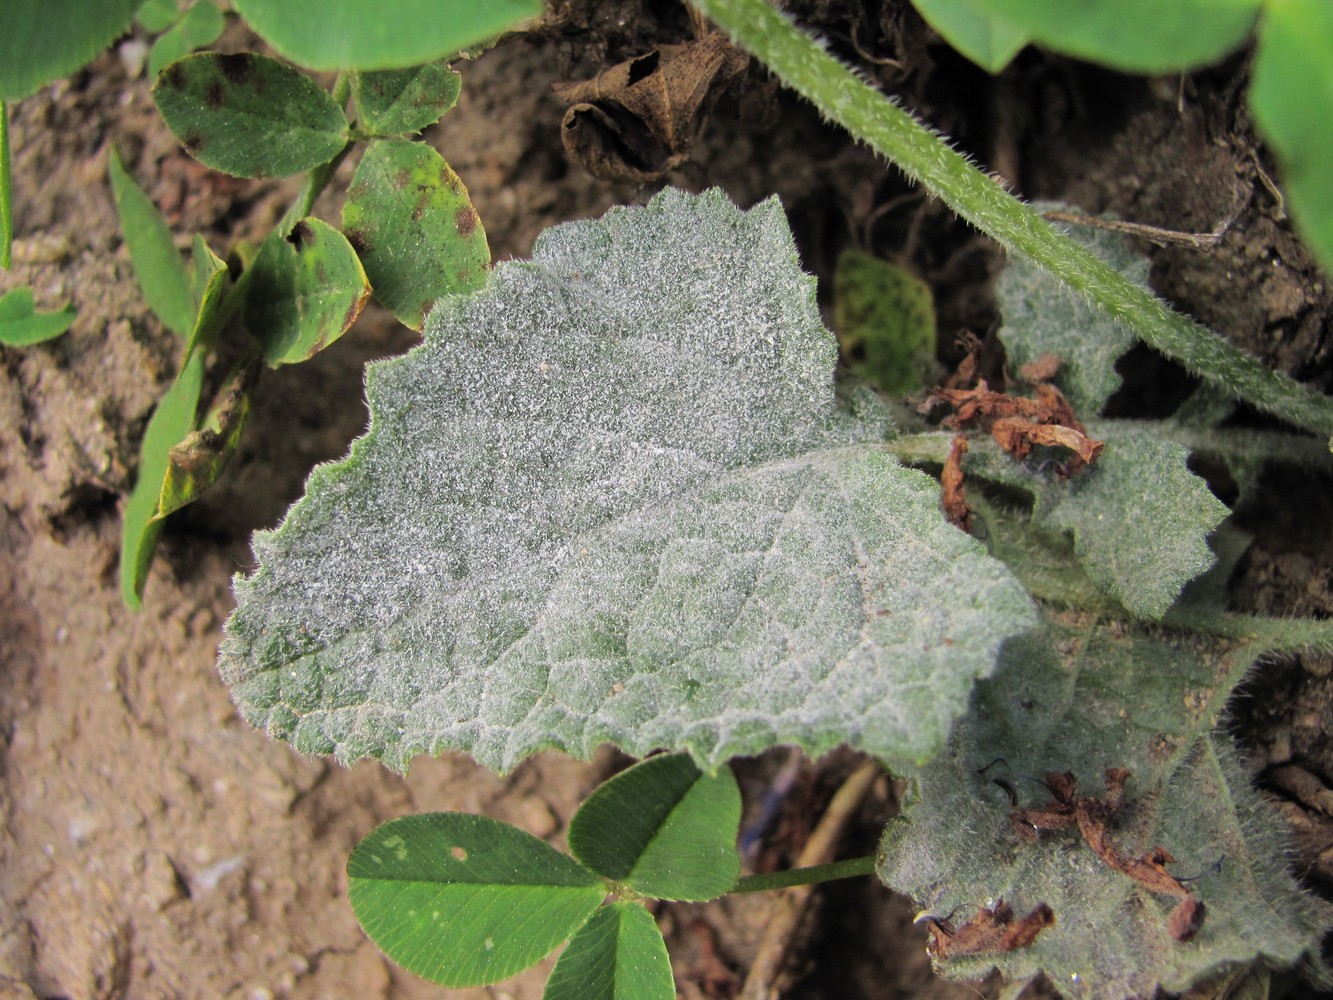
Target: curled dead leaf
pixel 951 479
pixel 1041 369
pixel 638 119
pixel 1093 817
pixel 989 930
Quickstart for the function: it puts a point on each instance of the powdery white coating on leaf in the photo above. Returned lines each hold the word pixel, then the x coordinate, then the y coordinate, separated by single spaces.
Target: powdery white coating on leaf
pixel 613 498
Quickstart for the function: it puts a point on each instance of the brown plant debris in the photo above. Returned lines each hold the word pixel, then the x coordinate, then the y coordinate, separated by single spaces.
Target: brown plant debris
pixel 1093 817
pixel 637 120
pixel 951 479
pixel 1019 423
pixel 989 930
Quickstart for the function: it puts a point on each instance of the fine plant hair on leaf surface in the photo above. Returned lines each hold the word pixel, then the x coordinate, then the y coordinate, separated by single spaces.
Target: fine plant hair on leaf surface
pixel 1083 693
pixel 1042 315
pixel 613 497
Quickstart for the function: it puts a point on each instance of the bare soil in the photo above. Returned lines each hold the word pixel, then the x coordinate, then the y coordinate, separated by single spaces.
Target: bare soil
pixel 156 846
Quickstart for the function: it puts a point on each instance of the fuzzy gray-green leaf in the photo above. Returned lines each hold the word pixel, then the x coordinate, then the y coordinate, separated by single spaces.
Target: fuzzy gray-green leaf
pixel 613 497
pixel 1140 520
pixel 1042 315
pixel 1082 694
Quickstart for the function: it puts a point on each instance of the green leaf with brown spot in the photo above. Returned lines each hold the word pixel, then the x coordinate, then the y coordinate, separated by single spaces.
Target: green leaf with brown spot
pixel 404 101
pixel 196 462
pixel 249 115
pixel 305 289
pixel 411 220
pixel 885 321
pixel 464 900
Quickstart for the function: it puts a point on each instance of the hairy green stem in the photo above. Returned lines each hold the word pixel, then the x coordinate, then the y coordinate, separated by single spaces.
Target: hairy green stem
pixel 924 156
pixel 806 876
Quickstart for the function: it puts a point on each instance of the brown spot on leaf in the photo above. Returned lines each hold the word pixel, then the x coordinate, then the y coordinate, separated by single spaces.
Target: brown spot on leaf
pixel 237 66
pixel 193 142
pixel 301 235
pixel 360 241
pixel 1186 919
pixel 465 221
pixel 174 77
pixel 215 94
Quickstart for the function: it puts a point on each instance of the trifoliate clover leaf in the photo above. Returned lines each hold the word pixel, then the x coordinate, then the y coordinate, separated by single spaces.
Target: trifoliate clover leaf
pixel 613 497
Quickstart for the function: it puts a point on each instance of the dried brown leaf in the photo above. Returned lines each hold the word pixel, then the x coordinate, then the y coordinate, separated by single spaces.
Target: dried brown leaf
pixel 951 479
pixel 989 930
pixel 1041 369
pixel 638 119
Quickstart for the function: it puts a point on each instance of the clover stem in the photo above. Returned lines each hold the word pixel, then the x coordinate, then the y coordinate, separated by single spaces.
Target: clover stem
pixel 806 876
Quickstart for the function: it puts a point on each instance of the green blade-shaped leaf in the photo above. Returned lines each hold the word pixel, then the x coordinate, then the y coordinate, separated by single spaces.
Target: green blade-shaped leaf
pixel 463 900
pixel 613 497
pixel 197 462
pixel 1138 36
pixel 249 115
pixel 411 220
pixel 389 35
pixel 170 424
pixel 663 828
pixel 6 192
pixel 43 40
pixel 976 30
pixel 885 321
pixel 162 274
pixel 306 289
pixel 1083 695
pixel 208 280
pixel 618 954
pixel 21 325
pixel 197 28
pixel 404 101
pixel 1043 316
pixel 1292 99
